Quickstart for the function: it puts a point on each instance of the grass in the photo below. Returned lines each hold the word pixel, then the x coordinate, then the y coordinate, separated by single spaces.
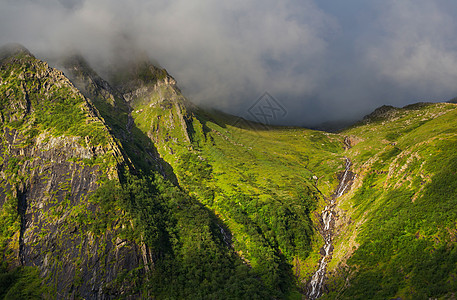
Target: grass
pixel 50 104
pixel 402 209
pixel 258 180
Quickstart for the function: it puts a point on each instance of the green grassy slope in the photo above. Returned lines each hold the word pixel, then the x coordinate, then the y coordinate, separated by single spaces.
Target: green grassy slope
pixel 398 230
pixel 262 186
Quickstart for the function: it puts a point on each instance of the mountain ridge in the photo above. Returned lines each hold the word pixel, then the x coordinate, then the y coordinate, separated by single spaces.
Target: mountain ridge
pixel 146 195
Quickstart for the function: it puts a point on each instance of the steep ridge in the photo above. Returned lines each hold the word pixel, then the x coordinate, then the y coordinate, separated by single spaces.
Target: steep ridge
pixel 157 104
pixel 116 111
pixel 85 213
pixel 55 150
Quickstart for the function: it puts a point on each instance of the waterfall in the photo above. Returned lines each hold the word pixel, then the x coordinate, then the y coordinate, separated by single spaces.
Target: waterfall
pixel 327 216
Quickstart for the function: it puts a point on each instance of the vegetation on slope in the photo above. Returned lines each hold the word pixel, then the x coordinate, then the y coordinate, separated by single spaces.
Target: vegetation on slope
pixel 250 176
pixel 194 273
pixel 217 206
pixel 116 113
pixel 189 258
pixel 402 207
pixel 37 98
pixel 262 179
pixel 20 283
pixel 264 204
pixel 54 151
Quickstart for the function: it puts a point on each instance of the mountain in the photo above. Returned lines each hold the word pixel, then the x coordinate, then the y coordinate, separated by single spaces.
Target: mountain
pixel 119 187
pixel 56 151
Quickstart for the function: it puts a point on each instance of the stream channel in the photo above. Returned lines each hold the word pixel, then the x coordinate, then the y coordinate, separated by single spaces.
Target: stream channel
pixel 328 222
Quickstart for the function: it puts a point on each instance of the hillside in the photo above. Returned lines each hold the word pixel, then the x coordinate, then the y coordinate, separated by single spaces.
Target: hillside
pixel 397 229
pixel 120 187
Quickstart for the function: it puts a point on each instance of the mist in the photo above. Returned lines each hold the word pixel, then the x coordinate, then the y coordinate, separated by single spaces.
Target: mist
pixel 321 60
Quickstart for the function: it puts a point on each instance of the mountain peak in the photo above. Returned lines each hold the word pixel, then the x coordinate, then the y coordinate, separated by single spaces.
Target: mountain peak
pixel 381 112
pixel 137 73
pixel 13 49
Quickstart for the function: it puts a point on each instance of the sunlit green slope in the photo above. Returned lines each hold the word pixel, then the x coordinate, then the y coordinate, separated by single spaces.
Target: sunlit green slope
pixel 397 226
pixel 265 183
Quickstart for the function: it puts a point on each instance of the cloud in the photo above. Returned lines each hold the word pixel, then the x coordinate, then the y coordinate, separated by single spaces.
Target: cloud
pixel 417 48
pixel 393 52
pixel 323 61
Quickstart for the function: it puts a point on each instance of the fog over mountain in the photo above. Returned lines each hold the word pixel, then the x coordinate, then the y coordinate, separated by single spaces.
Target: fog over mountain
pixel 322 60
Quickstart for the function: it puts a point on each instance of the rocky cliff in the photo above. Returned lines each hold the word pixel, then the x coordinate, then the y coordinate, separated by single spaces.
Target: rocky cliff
pixel 158 106
pixel 55 152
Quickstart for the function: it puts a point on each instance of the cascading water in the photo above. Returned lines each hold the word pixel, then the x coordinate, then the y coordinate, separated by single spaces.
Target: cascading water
pixel 225 236
pixel 327 215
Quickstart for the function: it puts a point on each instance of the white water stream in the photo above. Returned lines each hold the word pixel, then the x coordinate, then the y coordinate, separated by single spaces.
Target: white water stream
pixel 327 215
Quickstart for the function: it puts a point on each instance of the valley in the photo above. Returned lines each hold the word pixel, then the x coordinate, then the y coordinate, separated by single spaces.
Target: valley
pixel 120 187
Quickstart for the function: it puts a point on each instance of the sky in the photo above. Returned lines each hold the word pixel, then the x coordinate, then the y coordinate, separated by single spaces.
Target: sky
pixel 320 61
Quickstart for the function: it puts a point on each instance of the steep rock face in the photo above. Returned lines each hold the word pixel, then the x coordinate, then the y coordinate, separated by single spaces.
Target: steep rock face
pixel 158 107
pixel 51 187
pixel 93 86
pixel 116 111
pixel 55 152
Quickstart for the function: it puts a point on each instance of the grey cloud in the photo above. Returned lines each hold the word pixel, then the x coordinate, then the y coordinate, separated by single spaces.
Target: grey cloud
pixel 71 4
pixel 322 63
